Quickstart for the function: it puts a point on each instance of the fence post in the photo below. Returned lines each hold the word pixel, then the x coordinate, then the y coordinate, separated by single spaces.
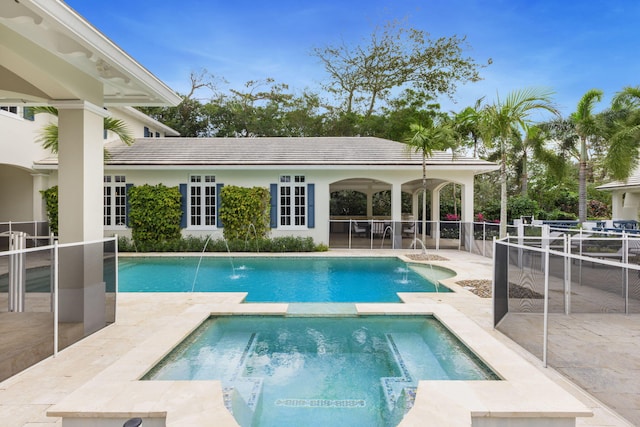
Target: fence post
pixel 17 271
pixel 56 265
pixel 625 272
pixel 567 273
pixel 545 326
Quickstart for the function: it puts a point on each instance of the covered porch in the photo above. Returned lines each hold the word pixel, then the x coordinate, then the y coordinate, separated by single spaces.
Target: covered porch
pixel 368 213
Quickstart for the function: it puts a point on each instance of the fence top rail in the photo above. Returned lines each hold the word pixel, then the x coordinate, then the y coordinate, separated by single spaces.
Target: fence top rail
pixel 63 245
pixel 570 255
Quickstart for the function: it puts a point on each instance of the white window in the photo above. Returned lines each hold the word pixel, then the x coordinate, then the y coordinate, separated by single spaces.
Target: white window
pixel 202 201
pixel 115 200
pixel 293 201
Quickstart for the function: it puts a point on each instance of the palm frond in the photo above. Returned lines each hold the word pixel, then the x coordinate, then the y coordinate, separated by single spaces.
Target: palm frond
pixel 118 127
pixel 586 104
pixel 45 109
pixel 627 98
pixel 49 137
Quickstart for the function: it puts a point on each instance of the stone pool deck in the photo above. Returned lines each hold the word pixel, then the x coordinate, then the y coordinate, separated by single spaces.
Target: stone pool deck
pixel 97 376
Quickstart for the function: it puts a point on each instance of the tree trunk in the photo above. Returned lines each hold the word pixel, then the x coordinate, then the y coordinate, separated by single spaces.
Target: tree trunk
pixel 524 189
pixel 503 196
pixel 582 182
pixel 582 192
pixel 424 199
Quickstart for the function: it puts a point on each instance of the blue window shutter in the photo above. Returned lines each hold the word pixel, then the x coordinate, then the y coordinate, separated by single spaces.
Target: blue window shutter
pixel 274 206
pixel 127 207
pixel 183 205
pixel 311 206
pixel 218 220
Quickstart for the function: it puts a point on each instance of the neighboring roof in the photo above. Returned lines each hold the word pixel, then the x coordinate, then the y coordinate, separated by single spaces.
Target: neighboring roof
pixel 150 121
pixel 322 151
pixel 36 33
pixel 633 182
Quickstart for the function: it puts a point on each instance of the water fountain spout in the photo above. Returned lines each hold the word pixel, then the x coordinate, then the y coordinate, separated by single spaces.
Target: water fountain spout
pixel 255 234
pixel 384 234
pixel 233 267
pixel 204 248
pixel 414 244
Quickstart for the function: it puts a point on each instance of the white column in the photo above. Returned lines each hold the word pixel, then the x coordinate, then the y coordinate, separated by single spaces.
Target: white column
pixel 467 202
pixel 617 204
pixel 415 208
pixel 40 182
pixel 396 201
pixel 435 204
pixel 80 171
pixel 82 293
pixel 630 208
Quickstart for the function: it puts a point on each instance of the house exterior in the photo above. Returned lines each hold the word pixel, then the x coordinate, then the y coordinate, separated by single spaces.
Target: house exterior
pixel 300 173
pixel 52 56
pixel 20 198
pixel 625 197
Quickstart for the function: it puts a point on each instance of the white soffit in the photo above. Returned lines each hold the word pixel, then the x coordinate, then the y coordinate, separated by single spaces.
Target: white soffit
pixel 60 31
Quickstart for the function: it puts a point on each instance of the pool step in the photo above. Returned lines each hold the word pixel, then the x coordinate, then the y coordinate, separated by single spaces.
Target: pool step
pixel 247 388
pixel 415 361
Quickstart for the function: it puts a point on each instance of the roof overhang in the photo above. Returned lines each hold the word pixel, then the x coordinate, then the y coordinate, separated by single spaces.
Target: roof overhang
pixel 49 52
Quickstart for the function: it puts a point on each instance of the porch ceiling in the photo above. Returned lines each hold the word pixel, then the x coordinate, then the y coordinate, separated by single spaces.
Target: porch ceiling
pixel 49 52
pixel 365 185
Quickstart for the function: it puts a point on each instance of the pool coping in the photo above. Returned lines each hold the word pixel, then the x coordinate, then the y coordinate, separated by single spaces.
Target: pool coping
pixel 117 393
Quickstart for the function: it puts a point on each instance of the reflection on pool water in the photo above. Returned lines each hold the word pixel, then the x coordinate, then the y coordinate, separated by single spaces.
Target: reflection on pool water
pixel 329 371
pixel 283 279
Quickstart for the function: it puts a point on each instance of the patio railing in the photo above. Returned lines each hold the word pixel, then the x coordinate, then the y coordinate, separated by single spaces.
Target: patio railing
pixel 52 296
pixel 541 280
pixel 476 237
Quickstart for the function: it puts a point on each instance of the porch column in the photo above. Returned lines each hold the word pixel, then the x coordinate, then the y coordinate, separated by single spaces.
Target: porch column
pixel 82 295
pixel 80 170
pixel 467 215
pixel 369 194
pixel 396 213
pixel 415 208
pixel 630 207
pixel 435 204
pixel 467 203
pixel 396 202
pixel 40 181
pixel 616 204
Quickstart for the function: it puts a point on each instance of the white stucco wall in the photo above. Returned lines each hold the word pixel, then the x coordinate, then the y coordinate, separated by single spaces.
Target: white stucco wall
pixel 321 177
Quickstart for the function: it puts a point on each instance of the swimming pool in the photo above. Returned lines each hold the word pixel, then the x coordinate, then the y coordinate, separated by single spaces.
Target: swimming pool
pixel 339 371
pixel 283 279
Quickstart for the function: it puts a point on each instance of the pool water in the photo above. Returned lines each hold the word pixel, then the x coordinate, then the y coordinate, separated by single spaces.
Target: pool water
pixel 289 279
pixel 340 371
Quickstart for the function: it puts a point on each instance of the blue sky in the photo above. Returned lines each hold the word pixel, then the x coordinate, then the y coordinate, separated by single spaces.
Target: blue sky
pixel 568 46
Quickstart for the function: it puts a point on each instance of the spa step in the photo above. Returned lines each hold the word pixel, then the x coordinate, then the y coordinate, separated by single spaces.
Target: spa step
pixel 235 384
pixel 415 361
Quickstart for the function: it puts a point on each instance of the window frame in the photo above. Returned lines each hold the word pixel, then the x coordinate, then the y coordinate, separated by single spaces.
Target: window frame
pixel 207 201
pixel 293 189
pixel 115 201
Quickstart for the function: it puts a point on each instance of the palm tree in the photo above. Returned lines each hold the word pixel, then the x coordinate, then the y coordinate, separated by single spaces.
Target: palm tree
pixel 586 128
pixel 49 133
pixel 436 135
pixel 502 119
pixel 624 133
pixel 466 125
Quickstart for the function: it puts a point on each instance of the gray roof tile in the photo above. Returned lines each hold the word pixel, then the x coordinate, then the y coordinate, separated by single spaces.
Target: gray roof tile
pixel 276 151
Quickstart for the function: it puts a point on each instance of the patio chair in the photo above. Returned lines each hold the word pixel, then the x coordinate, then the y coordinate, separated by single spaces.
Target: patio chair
pixel 408 229
pixel 358 230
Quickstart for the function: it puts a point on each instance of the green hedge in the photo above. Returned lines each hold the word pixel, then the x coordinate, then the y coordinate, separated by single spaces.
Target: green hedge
pixel 197 244
pixel 154 214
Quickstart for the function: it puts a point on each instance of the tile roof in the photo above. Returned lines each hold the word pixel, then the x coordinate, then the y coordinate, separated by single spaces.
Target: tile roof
pixel 277 151
pixel 632 182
